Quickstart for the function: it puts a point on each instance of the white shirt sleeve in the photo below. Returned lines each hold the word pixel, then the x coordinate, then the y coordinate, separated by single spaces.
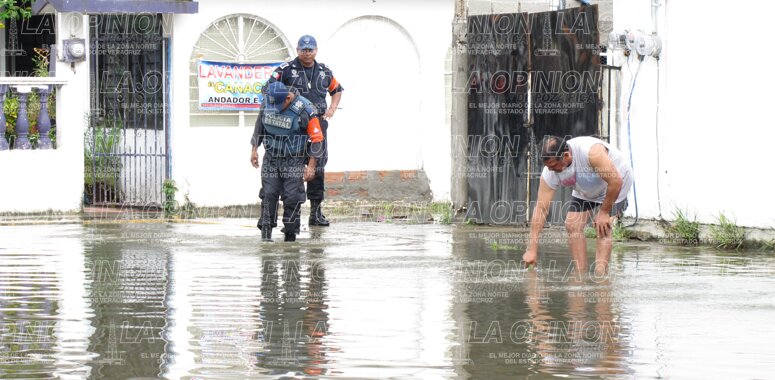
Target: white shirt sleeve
pixel 551 178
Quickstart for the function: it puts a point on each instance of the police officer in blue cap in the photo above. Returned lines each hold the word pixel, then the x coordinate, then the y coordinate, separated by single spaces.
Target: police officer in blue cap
pixel 313 80
pixel 287 125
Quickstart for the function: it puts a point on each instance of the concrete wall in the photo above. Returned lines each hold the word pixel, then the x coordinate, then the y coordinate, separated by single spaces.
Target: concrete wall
pixel 388 55
pixel 379 186
pixel 39 180
pixel 710 155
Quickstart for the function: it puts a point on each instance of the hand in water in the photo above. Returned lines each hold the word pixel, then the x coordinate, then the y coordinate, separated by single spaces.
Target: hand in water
pixel 530 257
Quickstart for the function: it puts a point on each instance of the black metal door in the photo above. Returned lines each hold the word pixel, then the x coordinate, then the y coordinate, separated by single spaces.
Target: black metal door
pixel 530 75
pixel 126 155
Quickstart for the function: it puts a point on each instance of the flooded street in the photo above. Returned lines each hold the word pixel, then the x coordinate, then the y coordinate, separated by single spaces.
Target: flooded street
pixel 370 300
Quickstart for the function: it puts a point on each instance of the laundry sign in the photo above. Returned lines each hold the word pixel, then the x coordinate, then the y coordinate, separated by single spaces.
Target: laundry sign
pixel 232 86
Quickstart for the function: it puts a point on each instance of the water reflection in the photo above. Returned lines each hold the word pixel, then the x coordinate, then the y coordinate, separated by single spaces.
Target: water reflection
pixel 44 311
pixel 183 301
pixel 215 297
pixel 128 270
pixel 549 321
pixel 294 317
pixel 587 338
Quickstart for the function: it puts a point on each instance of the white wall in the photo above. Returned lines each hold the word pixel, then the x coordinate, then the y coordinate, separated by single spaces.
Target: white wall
pixel 379 127
pixel 714 98
pixel 38 180
pixel 212 164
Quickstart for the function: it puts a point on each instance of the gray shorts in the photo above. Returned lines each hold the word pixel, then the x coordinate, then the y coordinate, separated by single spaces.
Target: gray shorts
pixel 580 205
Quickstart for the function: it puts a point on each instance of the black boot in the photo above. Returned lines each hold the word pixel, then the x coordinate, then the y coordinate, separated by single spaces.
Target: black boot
pixel 266 233
pixel 290 237
pixel 316 217
pixel 261 217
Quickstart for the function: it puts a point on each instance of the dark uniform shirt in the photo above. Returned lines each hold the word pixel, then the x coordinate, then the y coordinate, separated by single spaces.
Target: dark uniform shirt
pixel 308 121
pixel 313 83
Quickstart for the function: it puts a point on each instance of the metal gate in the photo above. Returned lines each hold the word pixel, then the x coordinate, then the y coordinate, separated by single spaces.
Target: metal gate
pixel 532 79
pixel 127 137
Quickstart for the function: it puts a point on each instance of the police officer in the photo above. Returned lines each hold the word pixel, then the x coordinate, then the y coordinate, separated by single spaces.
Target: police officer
pixel 285 124
pixel 313 80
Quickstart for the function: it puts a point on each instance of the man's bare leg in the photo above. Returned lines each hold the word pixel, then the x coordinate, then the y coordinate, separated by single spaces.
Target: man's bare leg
pixel 603 252
pixel 574 223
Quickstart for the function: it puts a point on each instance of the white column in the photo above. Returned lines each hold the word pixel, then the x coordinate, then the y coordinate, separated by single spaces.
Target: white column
pixel 72 108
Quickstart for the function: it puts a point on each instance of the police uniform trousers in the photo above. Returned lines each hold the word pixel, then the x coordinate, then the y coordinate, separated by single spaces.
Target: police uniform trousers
pixel 282 176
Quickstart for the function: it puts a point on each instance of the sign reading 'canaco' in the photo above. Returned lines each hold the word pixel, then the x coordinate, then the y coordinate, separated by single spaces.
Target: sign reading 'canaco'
pixel 232 86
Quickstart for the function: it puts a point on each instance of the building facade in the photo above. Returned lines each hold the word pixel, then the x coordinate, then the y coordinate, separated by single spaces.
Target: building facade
pixel 689 124
pixel 133 100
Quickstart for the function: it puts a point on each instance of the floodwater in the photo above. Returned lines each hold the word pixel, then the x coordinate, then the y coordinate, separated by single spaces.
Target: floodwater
pixel 370 300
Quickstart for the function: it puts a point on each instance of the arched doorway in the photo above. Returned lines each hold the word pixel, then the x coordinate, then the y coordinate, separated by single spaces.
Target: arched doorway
pixel 378 126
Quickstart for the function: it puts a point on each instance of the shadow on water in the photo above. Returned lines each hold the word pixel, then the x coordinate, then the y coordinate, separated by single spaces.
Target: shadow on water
pixel 368 300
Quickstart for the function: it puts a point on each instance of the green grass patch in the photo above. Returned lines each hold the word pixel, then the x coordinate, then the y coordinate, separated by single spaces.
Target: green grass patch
pixel 765 245
pixel 684 230
pixel 726 234
pixel 169 188
pixel 620 233
pixel 441 212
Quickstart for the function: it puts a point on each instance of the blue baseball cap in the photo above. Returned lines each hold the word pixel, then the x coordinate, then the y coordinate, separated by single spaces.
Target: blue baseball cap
pixel 307 42
pixel 275 95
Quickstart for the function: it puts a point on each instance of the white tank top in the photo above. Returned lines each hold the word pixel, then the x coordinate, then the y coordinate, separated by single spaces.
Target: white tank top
pixel 580 175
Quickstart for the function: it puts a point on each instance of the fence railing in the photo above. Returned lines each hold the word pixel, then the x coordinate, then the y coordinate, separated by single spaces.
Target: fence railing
pixel 16 109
